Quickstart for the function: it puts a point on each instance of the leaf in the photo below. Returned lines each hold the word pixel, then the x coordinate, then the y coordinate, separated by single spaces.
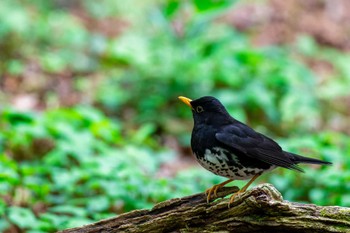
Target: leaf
pixel 206 5
pixel 171 7
pixel 98 204
pixel 22 217
pixel 70 210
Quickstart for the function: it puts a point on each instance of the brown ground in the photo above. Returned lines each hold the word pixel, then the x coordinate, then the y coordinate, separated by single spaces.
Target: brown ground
pixel 281 21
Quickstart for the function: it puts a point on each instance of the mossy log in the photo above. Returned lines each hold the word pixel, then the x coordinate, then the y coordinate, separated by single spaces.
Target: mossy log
pixel 261 209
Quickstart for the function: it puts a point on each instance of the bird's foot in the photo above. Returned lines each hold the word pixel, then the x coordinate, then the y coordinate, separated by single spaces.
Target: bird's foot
pixel 233 196
pixel 212 190
pixel 215 188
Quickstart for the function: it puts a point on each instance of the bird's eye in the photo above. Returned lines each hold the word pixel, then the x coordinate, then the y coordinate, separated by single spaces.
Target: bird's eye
pixel 199 109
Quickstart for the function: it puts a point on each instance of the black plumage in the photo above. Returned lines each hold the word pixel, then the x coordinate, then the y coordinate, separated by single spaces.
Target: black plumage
pixel 230 148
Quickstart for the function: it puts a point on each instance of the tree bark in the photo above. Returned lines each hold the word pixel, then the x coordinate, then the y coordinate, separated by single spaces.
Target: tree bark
pixel 261 209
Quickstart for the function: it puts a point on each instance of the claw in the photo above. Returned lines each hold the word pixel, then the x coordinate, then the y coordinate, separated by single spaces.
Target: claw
pixel 208 193
pixel 232 198
pixel 215 188
pixel 211 190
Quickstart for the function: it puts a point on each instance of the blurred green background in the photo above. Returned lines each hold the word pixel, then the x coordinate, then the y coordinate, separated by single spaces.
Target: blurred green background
pixel 91 126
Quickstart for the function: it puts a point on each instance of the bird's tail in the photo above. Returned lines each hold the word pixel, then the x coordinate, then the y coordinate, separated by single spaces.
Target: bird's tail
pixel 301 159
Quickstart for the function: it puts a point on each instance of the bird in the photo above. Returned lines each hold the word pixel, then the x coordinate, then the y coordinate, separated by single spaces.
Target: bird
pixel 231 149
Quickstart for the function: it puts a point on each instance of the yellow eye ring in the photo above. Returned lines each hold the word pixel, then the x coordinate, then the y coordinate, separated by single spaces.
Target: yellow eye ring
pixel 199 109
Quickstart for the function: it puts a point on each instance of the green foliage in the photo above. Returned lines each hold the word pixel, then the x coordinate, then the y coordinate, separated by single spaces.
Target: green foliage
pixel 67 167
pixel 217 59
pixel 149 65
pixel 320 184
pixel 336 86
pixel 206 58
pixel 34 29
pixel 88 172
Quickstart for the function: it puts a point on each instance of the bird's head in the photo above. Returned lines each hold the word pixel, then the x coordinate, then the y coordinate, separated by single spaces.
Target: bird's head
pixel 207 110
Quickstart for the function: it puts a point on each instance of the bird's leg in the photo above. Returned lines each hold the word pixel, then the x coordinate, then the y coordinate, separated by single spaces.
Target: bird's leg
pixel 215 188
pixel 232 198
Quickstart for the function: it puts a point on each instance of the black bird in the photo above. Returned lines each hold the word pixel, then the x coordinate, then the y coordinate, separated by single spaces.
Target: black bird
pixel 229 148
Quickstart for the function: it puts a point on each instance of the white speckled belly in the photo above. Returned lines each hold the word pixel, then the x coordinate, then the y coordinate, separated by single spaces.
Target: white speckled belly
pixel 218 164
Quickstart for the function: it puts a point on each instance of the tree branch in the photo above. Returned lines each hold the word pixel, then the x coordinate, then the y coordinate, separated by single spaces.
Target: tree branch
pixel 261 209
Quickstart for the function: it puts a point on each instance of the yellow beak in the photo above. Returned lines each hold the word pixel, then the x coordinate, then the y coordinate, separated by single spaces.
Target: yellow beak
pixel 186 100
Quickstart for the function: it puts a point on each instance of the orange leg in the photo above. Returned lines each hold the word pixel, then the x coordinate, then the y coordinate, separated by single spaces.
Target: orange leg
pixel 232 198
pixel 215 188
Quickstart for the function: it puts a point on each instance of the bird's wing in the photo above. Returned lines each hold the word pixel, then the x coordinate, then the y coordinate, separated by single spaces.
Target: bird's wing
pixel 255 145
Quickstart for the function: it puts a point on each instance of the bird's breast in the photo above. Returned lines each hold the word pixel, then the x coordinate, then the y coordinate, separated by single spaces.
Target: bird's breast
pixel 224 163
